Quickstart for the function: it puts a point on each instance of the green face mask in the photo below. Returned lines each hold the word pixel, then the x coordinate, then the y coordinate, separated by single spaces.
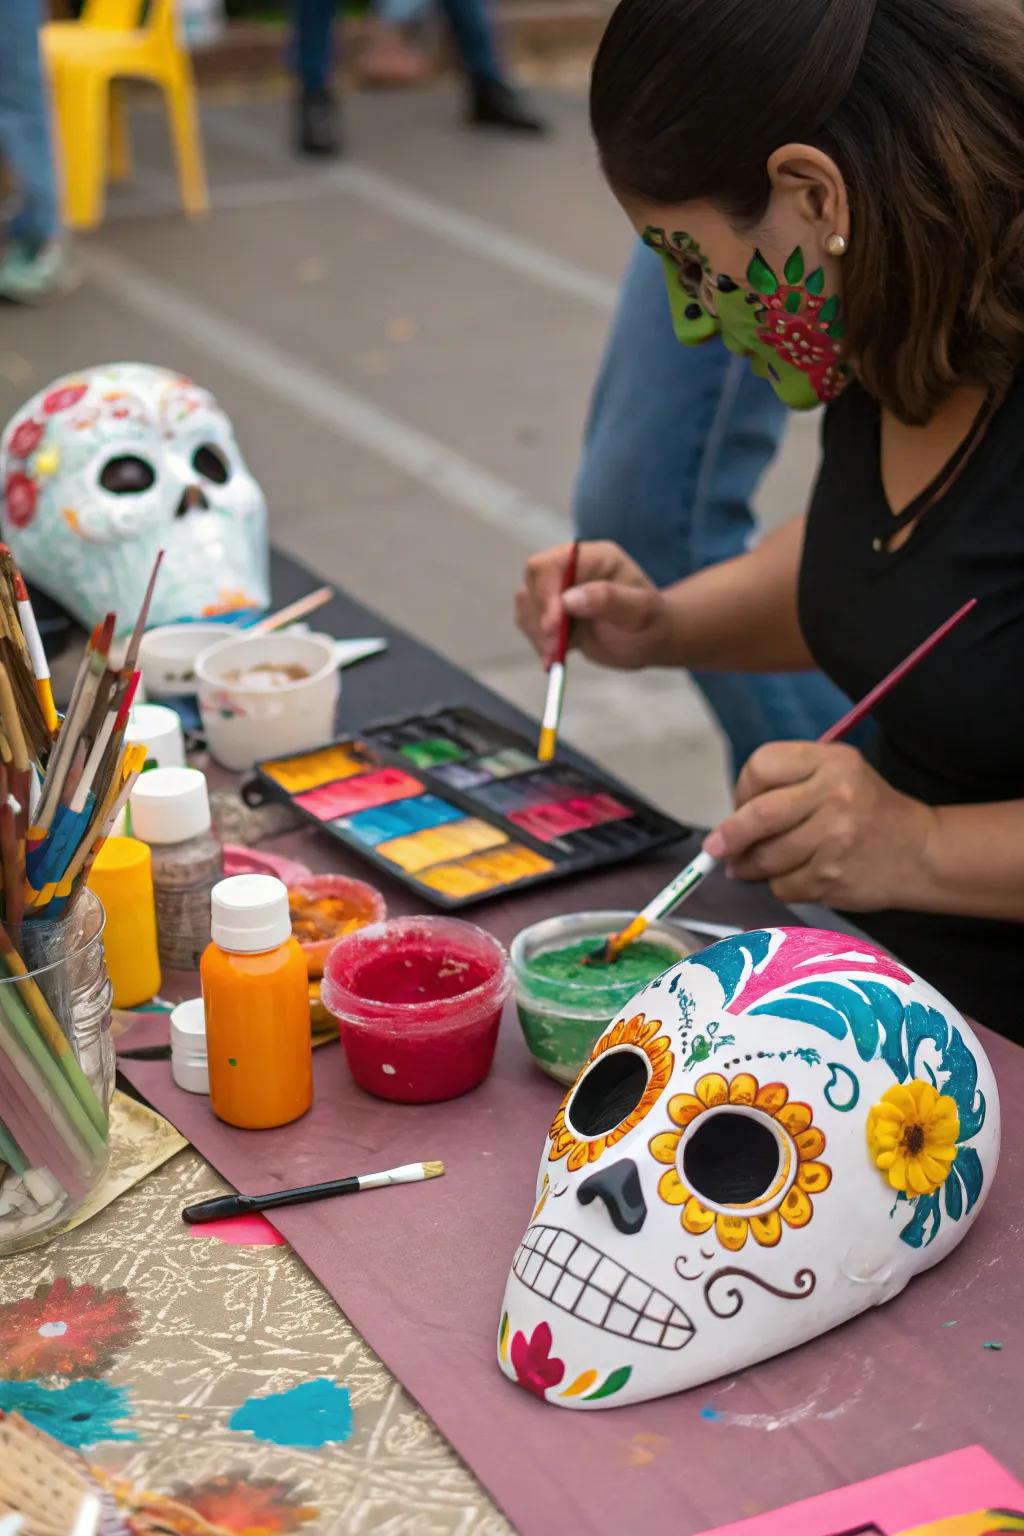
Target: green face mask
pixel 790 332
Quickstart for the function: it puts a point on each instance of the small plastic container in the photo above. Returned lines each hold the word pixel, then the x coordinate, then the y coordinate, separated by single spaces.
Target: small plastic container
pixel 333 905
pixel 418 1002
pixel 122 878
pixel 561 1019
pixel 189 1066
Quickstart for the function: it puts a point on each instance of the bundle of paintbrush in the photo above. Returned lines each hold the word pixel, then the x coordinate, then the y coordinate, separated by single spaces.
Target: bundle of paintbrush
pixel 62 785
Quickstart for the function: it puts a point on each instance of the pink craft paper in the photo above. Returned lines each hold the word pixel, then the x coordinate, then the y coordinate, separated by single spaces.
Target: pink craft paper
pixel 957 1484
pixel 243 1231
pixel 420 1272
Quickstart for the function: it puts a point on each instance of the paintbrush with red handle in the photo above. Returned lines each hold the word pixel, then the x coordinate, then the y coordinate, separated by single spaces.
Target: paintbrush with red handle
pixel 699 868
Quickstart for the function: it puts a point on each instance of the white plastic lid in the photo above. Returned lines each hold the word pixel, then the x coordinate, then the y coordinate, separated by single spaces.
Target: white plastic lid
pixel 189 1066
pixel 170 805
pixel 250 914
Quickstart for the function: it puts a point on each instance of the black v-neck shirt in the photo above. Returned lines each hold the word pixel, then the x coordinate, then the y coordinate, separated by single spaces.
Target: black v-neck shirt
pixel 952 733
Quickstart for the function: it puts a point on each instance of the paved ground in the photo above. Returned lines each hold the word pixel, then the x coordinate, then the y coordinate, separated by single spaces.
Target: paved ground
pixel 406 342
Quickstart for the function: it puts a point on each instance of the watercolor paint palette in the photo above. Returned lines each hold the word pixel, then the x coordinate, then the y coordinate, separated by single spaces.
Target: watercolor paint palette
pixel 459 809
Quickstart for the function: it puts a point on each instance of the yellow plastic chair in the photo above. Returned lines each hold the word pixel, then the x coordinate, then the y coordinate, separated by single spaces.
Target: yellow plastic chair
pixel 86 59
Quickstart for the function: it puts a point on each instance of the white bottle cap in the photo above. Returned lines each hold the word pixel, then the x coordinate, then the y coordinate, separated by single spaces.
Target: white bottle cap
pixel 159 730
pixel 170 805
pixel 250 914
pixel 188 1046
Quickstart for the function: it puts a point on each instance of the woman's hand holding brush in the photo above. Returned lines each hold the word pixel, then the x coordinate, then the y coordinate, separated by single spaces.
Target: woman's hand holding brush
pixel 619 617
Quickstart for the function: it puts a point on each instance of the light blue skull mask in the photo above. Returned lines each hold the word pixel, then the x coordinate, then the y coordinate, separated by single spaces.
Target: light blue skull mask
pixel 104 468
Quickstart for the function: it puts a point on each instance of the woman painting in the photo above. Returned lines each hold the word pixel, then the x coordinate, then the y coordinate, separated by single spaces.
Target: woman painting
pixel 837 186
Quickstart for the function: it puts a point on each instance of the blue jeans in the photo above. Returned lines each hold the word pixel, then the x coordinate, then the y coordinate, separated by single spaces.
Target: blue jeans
pixel 470 21
pixel 677 440
pixel 25 125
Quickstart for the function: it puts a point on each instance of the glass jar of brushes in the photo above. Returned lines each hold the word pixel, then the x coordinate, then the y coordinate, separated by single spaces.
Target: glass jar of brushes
pixel 56 1071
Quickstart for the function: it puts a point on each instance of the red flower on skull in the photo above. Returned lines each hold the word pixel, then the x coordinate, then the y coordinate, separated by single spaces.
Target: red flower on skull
pixel 25 438
pixel 64 398
pixel 535 1367
pixel 21 495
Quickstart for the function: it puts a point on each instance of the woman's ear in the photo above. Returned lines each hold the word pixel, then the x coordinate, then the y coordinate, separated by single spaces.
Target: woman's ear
pixel 811 186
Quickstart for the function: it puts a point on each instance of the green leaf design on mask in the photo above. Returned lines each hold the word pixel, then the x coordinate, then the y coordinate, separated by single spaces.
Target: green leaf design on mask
pixel 760 275
pixel 615 1382
pixel 837 330
pixel 794 268
pixel 792 305
pixel 829 310
pixel 815 281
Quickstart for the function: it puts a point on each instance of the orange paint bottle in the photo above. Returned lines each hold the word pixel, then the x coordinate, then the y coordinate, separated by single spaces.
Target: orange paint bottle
pixel 256 997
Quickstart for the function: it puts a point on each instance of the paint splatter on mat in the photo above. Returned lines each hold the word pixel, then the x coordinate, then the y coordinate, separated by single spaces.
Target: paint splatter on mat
pixel 242 1231
pixel 312 1414
pixel 65 1330
pixel 82 1413
pixel 250 1506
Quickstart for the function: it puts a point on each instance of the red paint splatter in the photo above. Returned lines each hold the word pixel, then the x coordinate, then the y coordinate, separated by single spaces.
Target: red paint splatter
pixel 96 1325
pixel 251 1506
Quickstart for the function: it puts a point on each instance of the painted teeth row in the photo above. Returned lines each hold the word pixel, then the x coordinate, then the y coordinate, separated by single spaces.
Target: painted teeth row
pixel 591 1286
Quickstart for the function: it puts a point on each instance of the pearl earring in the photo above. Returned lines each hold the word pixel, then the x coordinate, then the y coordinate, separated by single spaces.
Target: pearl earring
pixel 835 244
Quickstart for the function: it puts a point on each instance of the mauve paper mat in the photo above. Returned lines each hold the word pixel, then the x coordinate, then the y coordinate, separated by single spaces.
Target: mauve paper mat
pixel 420 1271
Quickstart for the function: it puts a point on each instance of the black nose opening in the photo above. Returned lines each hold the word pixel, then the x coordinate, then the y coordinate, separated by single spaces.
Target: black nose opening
pixel 619 1187
pixel 192 500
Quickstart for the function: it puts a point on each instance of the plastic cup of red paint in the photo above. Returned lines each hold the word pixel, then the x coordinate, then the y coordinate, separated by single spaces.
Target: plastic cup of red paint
pixel 418 1002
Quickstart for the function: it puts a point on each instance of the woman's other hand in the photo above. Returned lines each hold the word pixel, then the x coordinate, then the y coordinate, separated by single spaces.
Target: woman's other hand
pixel 618 616
pixel 819 824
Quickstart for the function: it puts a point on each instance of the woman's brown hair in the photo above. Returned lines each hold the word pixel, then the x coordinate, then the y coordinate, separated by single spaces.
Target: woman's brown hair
pixel 921 105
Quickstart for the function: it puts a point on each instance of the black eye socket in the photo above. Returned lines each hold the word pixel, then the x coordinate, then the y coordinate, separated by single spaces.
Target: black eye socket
pixel 610 1090
pixel 127 475
pixel 730 1159
pixel 209 462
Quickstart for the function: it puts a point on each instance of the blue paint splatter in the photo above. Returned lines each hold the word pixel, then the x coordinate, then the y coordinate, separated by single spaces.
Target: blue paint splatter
pixel 312 1414
pixel 80 1414
pixel 712 1415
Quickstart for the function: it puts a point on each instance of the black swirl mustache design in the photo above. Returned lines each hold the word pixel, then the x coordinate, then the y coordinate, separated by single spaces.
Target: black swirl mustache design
pixel 804 1282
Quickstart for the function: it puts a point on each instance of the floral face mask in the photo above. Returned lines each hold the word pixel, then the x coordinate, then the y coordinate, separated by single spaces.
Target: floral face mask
pixel 787 327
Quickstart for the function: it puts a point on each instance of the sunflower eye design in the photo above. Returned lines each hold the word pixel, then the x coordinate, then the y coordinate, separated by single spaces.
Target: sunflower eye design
pixel 626 1076
pixel 743 1160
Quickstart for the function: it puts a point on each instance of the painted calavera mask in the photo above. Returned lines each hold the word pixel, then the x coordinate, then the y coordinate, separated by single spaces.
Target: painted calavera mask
pixel 104 468
pixel 780 1132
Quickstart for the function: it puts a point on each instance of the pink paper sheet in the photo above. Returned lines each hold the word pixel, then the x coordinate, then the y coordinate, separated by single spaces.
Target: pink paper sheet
pixel 956 1484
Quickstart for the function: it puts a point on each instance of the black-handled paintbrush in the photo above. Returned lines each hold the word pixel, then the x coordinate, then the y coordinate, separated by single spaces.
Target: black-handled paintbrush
pixel 244 1205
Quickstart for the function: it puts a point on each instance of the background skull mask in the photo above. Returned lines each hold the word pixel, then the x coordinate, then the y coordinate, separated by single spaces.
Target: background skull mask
pixel 104 468
pixel 781 1132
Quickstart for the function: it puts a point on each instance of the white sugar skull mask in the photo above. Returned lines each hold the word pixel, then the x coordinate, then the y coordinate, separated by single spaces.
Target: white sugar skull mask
pixel 780 1133
pixel 104 468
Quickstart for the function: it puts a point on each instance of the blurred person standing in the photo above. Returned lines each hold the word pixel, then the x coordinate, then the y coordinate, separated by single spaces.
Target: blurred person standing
pixel 33 264
pixel 492 101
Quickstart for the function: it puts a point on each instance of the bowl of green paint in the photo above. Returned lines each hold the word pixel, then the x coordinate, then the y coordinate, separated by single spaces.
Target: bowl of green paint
pixel 564 1004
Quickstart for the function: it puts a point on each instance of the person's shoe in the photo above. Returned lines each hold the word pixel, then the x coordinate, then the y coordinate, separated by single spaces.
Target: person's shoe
pixel 494 104
pixel 32 274
pixel 317 129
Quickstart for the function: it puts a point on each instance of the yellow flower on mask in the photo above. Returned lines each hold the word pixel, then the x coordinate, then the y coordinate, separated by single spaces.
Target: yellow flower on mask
pixel 912 1136
pixel 799 1172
